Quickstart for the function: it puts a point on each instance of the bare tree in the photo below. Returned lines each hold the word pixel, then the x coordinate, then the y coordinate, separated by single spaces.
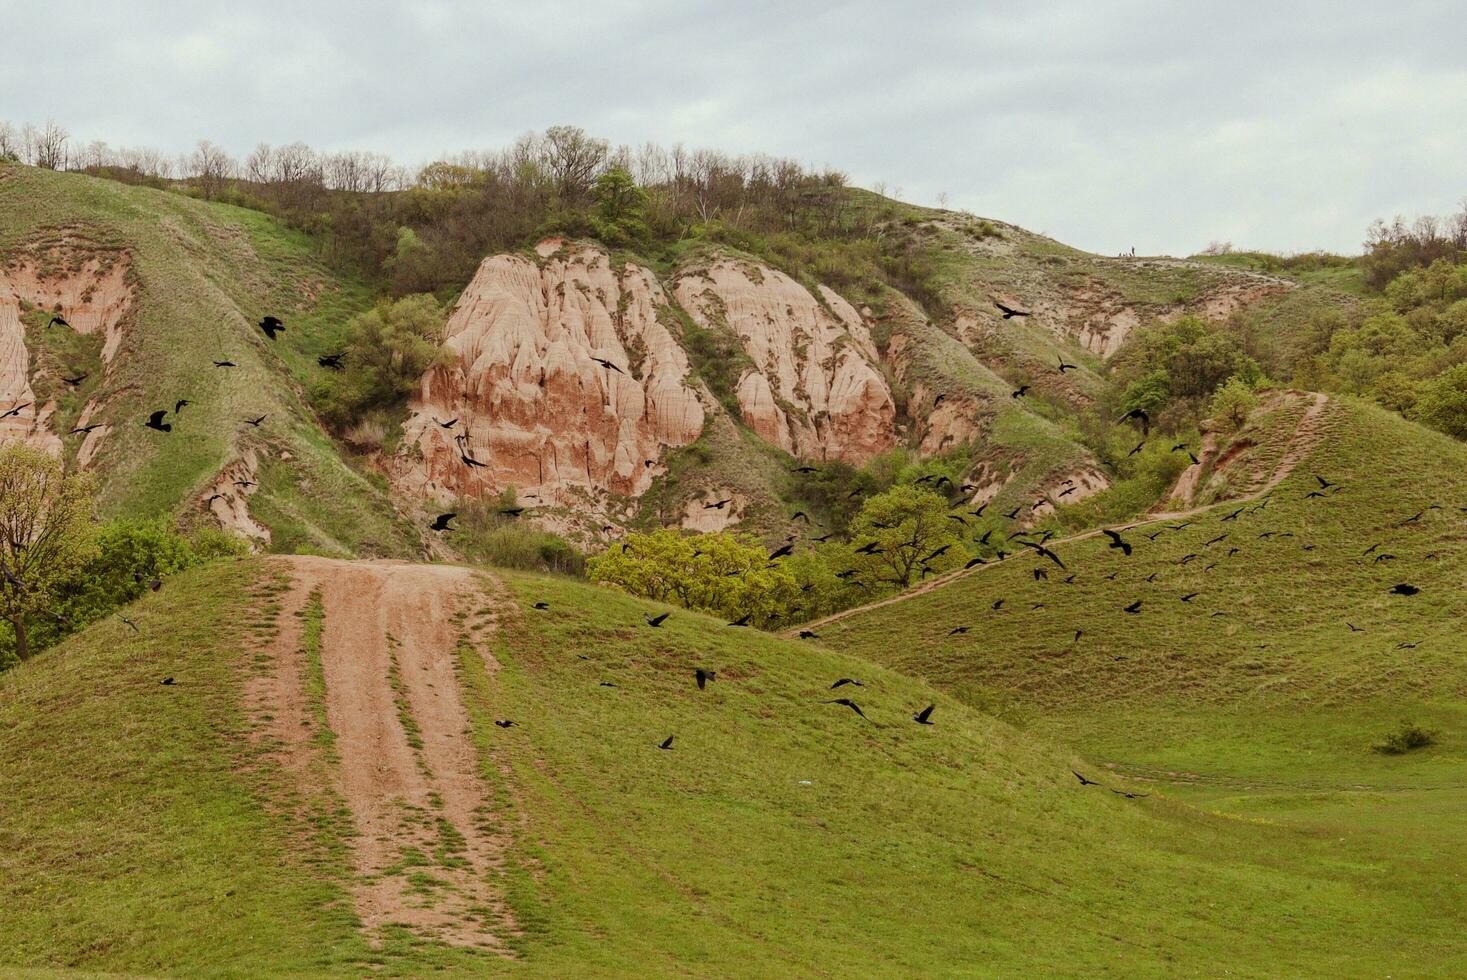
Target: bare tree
pixel 210 166
pixel 50 146
pixel 9 141
pixel 573 160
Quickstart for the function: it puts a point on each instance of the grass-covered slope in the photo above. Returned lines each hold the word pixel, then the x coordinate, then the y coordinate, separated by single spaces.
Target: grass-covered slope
pixel 1263 694
pixel 144 828
pixel 202 276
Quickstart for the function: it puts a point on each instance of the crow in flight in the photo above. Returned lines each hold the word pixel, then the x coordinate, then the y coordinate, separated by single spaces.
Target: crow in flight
pixel 608 365
pixel 922 716
pixel 848 703
pixel 666 743
pixel 542 605
pixel 1117 542
pixel 781 551
pixel 271 326
pixel 1063 367
pixel 15 411
pixel 74 382
pixel 225 364
pixel 844 681
pixel 445 425
pixel 440 523
pixel 57 320
pixel 1009 312
pixel 469 460
pixel 1044 552
pixel 331 361
pixel 655 621
pixel 1141 416
pixel 704 676
pixel 1404 589
pixel 256 422
pixel 742 620
pixel 869 549
pixel 1083 780
pixel 511 511
pixel 1133 608
pixel 155 421
pixel 809 635
pixel 1020 391
pixel 86 428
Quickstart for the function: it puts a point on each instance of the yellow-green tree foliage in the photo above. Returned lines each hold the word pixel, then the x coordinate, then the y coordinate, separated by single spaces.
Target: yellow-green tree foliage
pixel 45 534
pixel 724 574
pixel 909 525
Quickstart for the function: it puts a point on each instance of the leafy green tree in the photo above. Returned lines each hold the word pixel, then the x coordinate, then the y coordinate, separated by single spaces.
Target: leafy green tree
pixel 45 535
pixel 909 526
pixel 1443 402
pixel 620 208
pixel 1233 403
pixel 724 574
pixel 391 347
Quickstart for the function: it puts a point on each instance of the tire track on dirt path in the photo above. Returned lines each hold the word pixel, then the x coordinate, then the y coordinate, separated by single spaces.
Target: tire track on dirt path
pixel 1303 441
pixel 424 853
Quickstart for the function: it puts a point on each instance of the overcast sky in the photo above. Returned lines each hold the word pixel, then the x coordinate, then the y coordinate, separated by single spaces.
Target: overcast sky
pixel 1163 125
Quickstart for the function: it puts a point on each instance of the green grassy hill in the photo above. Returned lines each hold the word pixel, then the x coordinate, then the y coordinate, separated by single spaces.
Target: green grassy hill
pixel 149 828
pixel 1261 696
pixel 203 276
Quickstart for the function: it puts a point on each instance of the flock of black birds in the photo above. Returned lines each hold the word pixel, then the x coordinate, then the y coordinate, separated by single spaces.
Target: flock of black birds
pixel 702 677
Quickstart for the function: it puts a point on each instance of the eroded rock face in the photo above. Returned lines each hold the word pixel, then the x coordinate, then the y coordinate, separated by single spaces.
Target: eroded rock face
pixel 534 401
pixel 814 389
pixel 91 293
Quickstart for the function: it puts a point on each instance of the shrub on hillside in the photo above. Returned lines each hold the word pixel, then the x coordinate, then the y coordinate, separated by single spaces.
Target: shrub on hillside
pixel 723 574
pixel 124 556
pixel 1406 738
pixel 489 537
pixel 1232 403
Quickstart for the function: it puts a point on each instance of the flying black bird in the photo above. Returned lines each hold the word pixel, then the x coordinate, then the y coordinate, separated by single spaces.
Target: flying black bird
pixel 972 562
pixel 76 380
pixel 718 504
pixel 1084 781
pixel 937 552
pixel 1139 446
pixel 938 400
pixel 1044 552
pixel 271 326
pixel 824 537
pixel 1009 312
pixel 608 365
pixel 1078 634
pixel 1404 589
pixel 848 703
pixel 1313 493
pixel 331 361
pixel 503 722
pixel 1323 483
pixel 1354 628
pixel 1040 573
pixel 1117 542
pixel 440 523
pixel 224 364
pixel 666 743
pixel 1063 367
pixel 167 682
pixel 741 621
pixel 1130 796
pixel 542 605
pixel 704 676
pixel 1209 544
pixel 958 629
pixel 846 680
pixel 15 411
pixel 1013 514
pixel 57 320
pixel 869 549
pixel 1133 608
pixel 781 551
pixel 256 422
pixel 130 623
pixel 996 603
pixel 1231 517
pixel 1190 596
pixel 445 425
pixel 1020 391
pixel 959 518
pixel 511 511
pixel 85 428
pixel 922 716
pixel 469 460
pixel 1140 415
pixel 655 621
pixel 809 635
pixel 979 511
pixel 155 421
